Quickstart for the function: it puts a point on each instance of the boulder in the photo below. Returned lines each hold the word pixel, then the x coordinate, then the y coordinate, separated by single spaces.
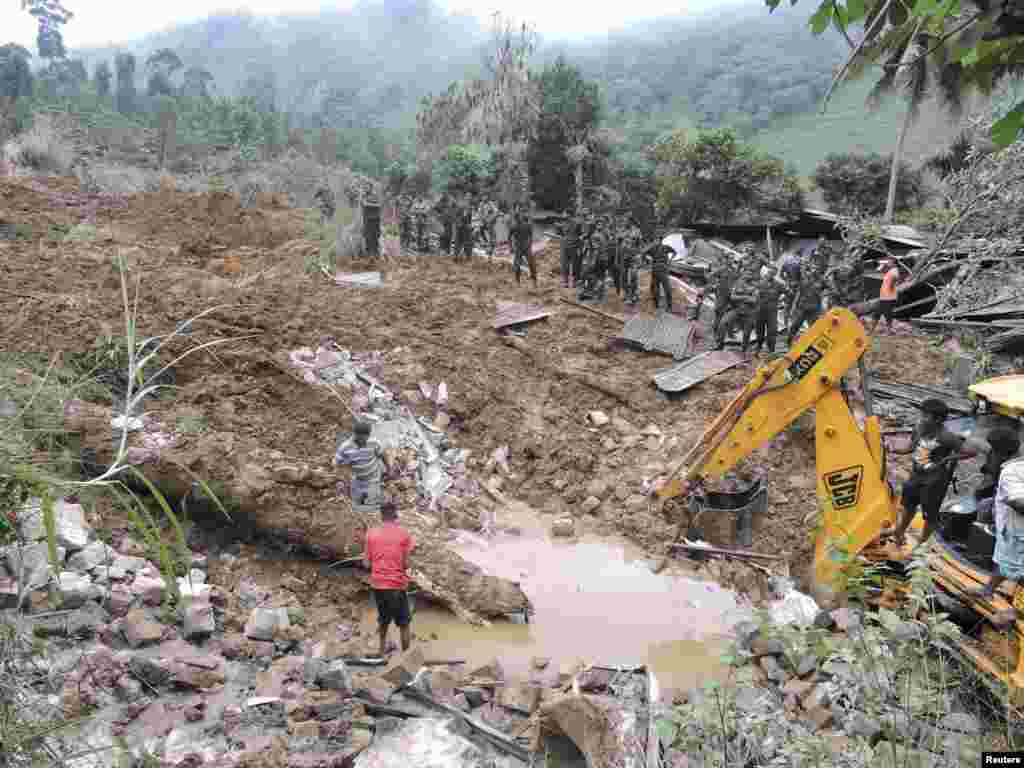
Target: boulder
pixel 404 668
pixel 564 527
pixel 72 532
pixel 264 623
pixel 149 589
pixel 198 620
pixel 139 629
pixel 86 620
pixel 35 560
pixel 336 677
pixel 92 556
pixel 196 672
pixel 597 418
pixel 76 589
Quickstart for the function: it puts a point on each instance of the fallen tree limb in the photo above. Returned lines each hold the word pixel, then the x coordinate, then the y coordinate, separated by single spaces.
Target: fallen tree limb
pixel 730 552
pixel 1008 325
pixel 606 315
pixel 583 378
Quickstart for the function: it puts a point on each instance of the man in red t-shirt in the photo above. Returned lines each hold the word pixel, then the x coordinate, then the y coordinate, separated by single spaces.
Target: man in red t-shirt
pixel 387 557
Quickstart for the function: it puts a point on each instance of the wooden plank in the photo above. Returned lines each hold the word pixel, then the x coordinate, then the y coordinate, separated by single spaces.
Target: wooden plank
pixel 606 315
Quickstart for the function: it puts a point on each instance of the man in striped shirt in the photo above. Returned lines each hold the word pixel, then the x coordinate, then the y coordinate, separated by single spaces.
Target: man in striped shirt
pixel 366 457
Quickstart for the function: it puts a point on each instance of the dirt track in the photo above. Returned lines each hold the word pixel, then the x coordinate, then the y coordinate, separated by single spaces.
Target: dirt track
pixel 431 321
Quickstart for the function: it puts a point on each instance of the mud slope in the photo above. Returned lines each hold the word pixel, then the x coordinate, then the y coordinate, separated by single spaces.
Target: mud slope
pixel 269 436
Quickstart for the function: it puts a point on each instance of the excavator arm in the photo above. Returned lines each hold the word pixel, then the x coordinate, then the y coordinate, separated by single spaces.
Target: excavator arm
pixel 856 500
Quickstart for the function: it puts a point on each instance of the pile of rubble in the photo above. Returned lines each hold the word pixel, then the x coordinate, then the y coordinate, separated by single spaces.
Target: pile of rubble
pixel 824 687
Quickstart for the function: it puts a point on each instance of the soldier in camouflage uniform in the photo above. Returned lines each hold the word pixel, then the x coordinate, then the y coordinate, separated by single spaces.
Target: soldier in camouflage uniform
pixel 443 211
pixel 488 228
pixel 807 301
pixel 596 268
pixel 660 255
pixel 371 225
pixel 721 279
pixel 741 316
pixel 630 268
pixel 522 240
pixel 769 291
pixel 324 200
pixel 405 221
pixel 463 230
pixel 420 212
pixel 570 245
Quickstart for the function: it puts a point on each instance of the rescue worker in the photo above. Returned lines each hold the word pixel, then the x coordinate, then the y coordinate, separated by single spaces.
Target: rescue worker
pixel 488 215
pixel 806 304
pixel 935 450
pixel 769 291
pixel 522 240
pixel 442 210
pixel 1008 514
pixel 721 280
pixel 595 287
pixel 371 226
pixel 387 556
pixel 630 274
pixel 324 200
pixel 660 283
pixel 405 221
pixel 570 246
pixel 887 294
pixel 463 230
pixel 421 213
pixel 366 457
pixel 740 316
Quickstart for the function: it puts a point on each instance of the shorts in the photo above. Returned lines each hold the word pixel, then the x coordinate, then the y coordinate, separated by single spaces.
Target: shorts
pixel 1009 553
pixel 885 309
pixel 928 497
pixel 392 606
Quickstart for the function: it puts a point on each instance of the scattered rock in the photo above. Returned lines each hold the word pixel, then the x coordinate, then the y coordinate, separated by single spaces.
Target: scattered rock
pixel 76 589
pixel 622 426
pixel 521 697
pixel 565 527
pixel 820 718
pixel 404 668
pixel 597 418
pixel 808 663
pixel 197 672
pixel 589 505
pixel 961 722
pixel 129 563
pixel 149 588
pixel 71 528
pixel 92 556
pixel 35 560
pixel 86 620
pixel 265 622
pixel 764 646
pixel 860 725
pixel 150 671
pixel 139 629
pixel 198 620
pixel 336 677
pixel 773 669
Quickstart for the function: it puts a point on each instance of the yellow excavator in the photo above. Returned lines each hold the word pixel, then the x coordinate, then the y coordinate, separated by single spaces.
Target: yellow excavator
pixel 858 502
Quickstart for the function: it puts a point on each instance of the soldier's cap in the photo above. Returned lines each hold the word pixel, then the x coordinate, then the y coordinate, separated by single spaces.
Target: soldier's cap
pixel 935 407
pixel 1004 440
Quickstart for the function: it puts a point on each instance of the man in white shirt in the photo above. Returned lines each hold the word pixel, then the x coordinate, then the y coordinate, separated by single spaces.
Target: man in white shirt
pixel 1008 509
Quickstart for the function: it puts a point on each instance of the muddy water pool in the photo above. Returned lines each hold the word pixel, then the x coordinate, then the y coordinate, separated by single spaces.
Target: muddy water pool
pixel 594 600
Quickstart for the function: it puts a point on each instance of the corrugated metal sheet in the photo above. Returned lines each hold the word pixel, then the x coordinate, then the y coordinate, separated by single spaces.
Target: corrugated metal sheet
pixel 665 333
pixel 510 313
pixel 681 377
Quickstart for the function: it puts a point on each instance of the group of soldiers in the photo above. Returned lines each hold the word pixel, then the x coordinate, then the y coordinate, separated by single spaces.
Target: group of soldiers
pixel 747 299
pixel 465 223
pixel 596 247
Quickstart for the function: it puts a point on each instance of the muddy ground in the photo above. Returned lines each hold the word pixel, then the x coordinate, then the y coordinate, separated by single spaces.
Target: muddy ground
pixel 431 321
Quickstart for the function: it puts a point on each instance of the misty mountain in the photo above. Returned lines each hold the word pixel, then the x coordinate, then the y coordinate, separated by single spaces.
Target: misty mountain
pixel 371 65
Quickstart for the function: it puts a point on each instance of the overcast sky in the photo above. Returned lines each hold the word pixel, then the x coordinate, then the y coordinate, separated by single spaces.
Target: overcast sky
pixel 98 22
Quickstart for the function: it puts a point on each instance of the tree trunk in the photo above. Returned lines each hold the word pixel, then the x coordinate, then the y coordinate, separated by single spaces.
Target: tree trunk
pixel 897 156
